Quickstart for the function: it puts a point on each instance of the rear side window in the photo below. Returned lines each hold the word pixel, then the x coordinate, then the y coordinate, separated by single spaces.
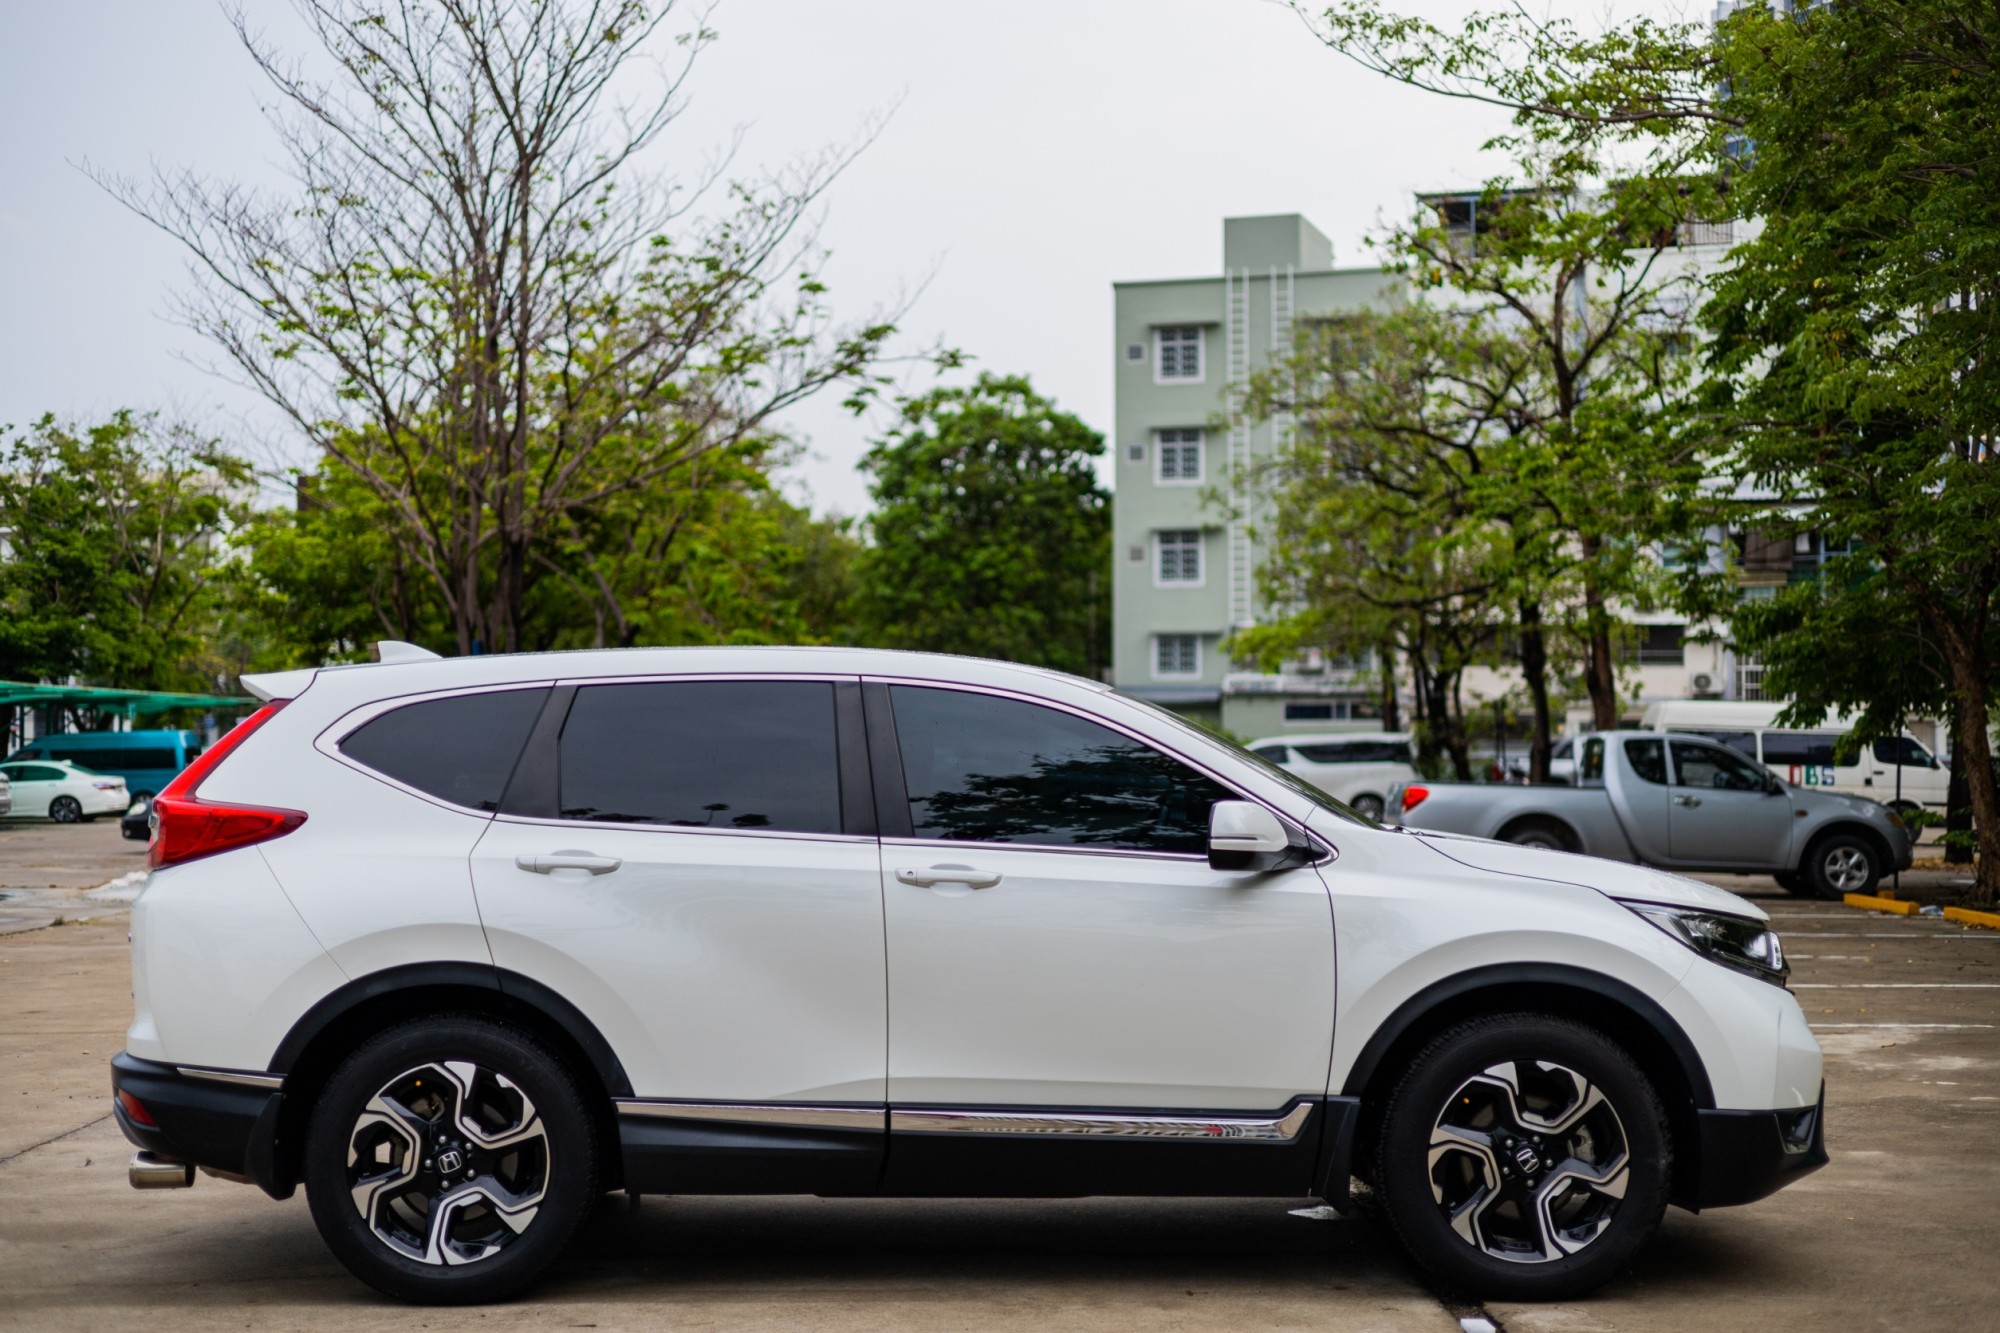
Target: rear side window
pixel 460 749
pixel 986 769
pixel 722 754
pixel 109 758
pixel 1357 752
pixel 1648 759
pixel 1802 747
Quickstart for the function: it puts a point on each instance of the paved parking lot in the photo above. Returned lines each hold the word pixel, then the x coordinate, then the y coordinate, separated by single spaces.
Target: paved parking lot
pixel 1895 1234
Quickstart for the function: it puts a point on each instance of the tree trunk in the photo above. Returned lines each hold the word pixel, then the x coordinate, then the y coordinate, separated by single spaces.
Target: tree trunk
pixel 1957 809
pixel 1535 674
pixel 1969 718
pixel 1600 675
pixel 1449 721
pixel 1392 707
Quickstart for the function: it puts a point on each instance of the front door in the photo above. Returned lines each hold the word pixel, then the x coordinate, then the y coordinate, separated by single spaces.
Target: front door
pixel 1067 976
pixel 698 891
pixel 1723 811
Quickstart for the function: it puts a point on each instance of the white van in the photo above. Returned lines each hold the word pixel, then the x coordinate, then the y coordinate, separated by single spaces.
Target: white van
pixel 1805 756
pixel 1359 768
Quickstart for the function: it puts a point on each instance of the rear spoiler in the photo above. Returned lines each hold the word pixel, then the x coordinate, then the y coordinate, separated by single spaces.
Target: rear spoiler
pixel 270 686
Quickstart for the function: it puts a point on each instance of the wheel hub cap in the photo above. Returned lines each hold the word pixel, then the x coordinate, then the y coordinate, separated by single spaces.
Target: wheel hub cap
pixel 1528 1161
pixel 448 1163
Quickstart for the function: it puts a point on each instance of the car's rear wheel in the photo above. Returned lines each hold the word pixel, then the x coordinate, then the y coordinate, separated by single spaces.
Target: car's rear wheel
pixel 449 1160
pixel 1369 804
pixel 1523 1156
pixel 1792 882
pixel 1538 833
pixel 66 810
pixel 1842 863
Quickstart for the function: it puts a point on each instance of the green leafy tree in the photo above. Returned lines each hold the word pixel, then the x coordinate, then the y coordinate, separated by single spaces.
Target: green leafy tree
pixel 991 535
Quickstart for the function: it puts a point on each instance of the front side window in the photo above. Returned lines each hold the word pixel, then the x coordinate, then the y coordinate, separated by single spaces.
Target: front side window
pixel 720 754
pixel 1178 353
pixel 1179 454
pixel 980 768
pixel 1904 751
pixel 1648 759
pixel 459 749
pixel 1177 655
pixel 1698 765
pixel 1180 556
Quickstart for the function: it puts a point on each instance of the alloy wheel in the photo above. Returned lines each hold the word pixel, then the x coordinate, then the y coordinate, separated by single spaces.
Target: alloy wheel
pixel 448 1163
pixel 1846 869
pixel 65 810
pixel 1529 1161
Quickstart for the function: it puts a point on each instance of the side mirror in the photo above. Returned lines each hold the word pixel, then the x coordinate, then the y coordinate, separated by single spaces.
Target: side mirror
pixel 1243 835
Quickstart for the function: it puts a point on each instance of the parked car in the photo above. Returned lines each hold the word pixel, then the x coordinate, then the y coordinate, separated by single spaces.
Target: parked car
pixel 66 793
pixel 1358 768
pixel 483 938
pixel 1679 802
pixel 1562 763
pixel 1809 757
pixel 6 794
pixel 146 760
pixel 136 823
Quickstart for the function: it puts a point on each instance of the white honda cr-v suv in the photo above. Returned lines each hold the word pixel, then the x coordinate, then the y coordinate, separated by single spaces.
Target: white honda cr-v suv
pixel 460 945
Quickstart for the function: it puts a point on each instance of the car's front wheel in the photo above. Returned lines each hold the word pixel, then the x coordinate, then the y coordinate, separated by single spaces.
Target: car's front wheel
pixel 1369 804
pixel 1841 864
pixel 449 1160
pixel 1523 1156
pixel 66 810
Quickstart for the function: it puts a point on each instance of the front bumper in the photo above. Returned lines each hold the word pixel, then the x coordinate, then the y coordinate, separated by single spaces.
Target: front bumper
pixel 204 1118
pixel 1747 1155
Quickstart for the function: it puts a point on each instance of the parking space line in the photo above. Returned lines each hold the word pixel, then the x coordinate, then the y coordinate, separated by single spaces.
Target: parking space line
pixel 1896 985
pixel 1941 1027
pixel 1881 935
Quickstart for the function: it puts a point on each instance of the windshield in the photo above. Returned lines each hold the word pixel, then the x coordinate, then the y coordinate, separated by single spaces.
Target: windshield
pixel 1291 780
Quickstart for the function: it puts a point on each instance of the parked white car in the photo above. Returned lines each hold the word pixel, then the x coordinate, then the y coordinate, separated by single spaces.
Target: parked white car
pixel 67 793
pixel 480 939
pixel 1359 768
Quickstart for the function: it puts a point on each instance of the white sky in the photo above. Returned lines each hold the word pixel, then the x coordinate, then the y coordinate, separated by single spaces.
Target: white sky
pixel 1043 149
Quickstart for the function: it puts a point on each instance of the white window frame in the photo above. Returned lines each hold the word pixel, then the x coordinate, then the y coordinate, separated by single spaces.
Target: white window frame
pixel 1159 674
pixel 1200 354
pixel 1161 444
pixel 1200 558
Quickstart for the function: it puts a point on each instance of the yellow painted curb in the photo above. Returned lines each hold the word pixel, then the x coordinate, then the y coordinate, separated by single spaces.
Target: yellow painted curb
pixel 1965 916
pixel 1870 903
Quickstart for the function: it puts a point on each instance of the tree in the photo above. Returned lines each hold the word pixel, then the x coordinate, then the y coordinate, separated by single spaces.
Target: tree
pixel 114 551
pixel 991 535
pixel 480 309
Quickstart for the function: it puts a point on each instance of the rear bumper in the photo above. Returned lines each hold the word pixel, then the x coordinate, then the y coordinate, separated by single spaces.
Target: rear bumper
pixel 205 1118
pixel 1748 1155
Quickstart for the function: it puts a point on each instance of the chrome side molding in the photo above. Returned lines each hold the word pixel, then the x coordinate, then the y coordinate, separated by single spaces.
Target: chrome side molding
pixel 239 1077
pixel 793 1116
pixel 1258 1129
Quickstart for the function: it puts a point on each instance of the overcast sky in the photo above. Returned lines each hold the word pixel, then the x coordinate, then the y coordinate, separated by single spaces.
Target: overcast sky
pixel 1042 150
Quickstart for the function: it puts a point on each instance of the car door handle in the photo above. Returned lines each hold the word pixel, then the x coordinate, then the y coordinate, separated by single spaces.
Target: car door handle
pixel 568 860
pixel 1689 801
pixel 966 875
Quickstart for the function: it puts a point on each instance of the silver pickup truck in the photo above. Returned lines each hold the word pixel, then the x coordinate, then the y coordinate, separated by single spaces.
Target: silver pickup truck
pixel 1681 803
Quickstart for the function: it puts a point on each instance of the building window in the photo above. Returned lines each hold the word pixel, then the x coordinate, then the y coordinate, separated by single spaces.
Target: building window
pixel 1178 353
pixel 1135 351
pixel 1179 457
pixel 1177 655
pixel 1317 712
pixel 1658 645
pixel 1179 555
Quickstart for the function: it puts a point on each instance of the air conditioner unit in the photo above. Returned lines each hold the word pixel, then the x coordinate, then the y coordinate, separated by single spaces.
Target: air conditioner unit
pixel 1703 683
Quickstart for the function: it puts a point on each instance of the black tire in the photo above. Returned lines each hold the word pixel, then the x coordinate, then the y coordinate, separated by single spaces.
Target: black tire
pixel 1791 882
pixel 66 810
pixel 1501 1251
pixel 554 1173
pixel 1842 863
pixel 1369 804
pixel 1539 833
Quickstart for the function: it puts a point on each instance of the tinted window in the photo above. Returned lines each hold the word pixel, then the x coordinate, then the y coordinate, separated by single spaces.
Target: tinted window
pixel 1711 766
pixel 1275 753
pixel 1593 761
pixel 35 773
pixel 1801 747
pixel 108 758
pixel 1648 759
pixel 1357 752
pixel 460 749
pixel 1913 754
pixel 1743 742
pixel 985 769
pixel 728 754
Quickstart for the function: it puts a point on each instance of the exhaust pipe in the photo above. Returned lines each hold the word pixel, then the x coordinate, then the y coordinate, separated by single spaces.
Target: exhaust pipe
pixel 149 1171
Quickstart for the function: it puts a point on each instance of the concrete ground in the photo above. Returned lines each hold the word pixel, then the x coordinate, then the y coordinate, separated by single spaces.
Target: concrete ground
pixel 1895 1234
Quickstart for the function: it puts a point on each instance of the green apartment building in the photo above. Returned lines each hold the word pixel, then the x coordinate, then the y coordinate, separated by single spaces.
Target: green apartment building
pixel 1184 573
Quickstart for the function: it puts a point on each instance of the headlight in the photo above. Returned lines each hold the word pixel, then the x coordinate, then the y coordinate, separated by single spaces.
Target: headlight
pixel 1747 946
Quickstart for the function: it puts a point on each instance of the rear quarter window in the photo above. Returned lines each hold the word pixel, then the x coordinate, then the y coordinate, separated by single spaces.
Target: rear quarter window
pixel 459 749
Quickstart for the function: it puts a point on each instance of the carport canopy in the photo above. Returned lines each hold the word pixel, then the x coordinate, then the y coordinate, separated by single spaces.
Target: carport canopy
pixel 125 703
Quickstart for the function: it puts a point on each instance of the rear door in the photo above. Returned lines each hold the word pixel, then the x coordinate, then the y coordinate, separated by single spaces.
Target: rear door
pixel 1723 811
pixel 692 864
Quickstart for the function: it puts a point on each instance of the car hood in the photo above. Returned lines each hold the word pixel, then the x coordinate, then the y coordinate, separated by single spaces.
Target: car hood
pixel 1614 879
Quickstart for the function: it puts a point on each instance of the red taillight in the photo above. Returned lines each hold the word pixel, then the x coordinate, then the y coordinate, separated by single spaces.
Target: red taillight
pixel 1414 795
pixel 185 827
pixel 140 1115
